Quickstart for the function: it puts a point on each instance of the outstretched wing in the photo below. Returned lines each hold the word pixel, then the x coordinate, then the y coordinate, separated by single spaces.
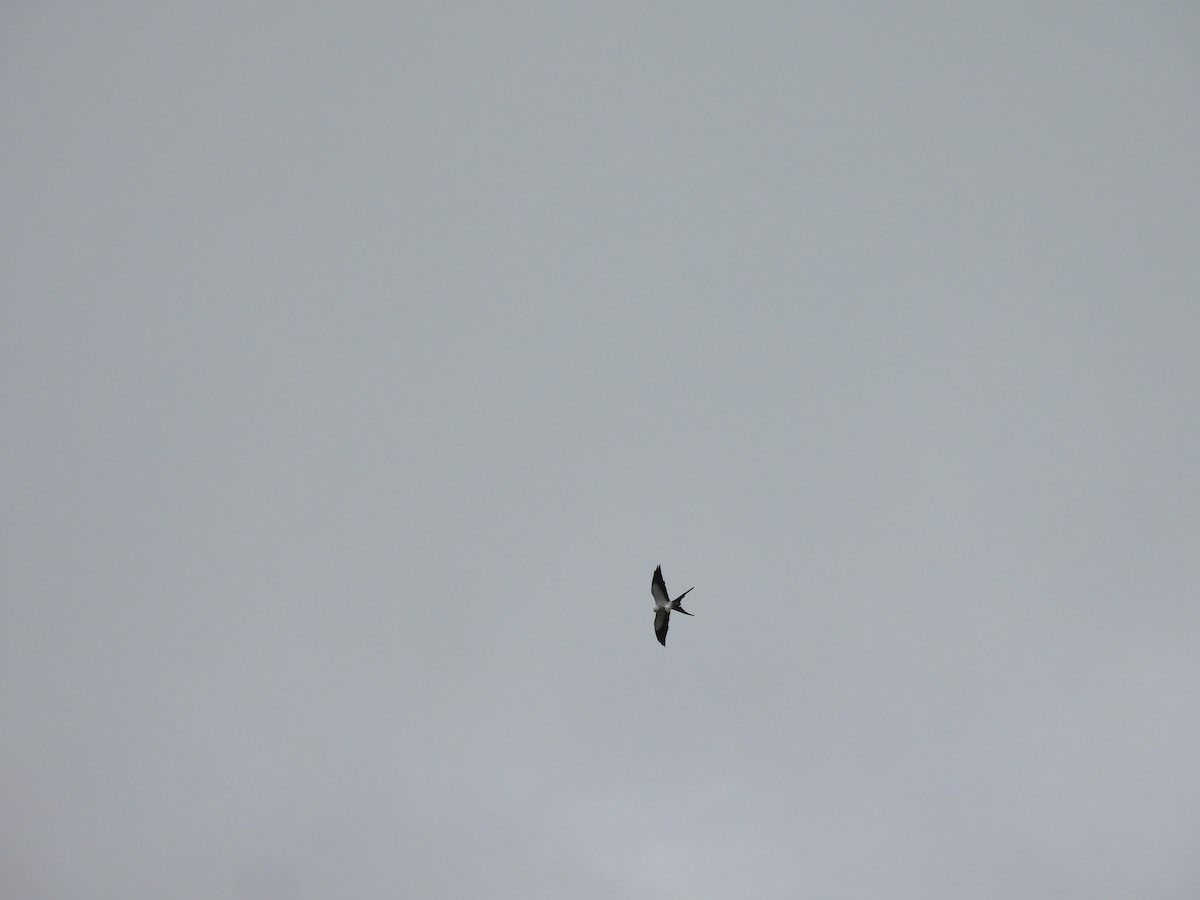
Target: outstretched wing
pixel 658 590
pixel 662 619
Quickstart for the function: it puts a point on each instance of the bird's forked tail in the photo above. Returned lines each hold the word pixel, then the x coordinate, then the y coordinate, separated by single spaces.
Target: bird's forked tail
pixel 675 603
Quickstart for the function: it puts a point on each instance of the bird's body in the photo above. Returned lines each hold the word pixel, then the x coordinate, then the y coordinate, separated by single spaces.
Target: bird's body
pixel 664 605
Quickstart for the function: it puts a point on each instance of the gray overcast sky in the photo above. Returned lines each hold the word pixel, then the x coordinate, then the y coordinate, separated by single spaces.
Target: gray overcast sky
pixel 359 362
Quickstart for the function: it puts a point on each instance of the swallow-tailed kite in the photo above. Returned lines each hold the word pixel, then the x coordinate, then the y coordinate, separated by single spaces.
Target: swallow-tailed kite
pixel 663 605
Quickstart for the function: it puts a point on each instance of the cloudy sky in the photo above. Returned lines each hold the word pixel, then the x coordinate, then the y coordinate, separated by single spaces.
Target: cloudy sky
pixel 359 362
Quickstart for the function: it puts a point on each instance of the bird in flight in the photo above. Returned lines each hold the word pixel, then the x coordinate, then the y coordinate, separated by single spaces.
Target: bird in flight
pixel 663 605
